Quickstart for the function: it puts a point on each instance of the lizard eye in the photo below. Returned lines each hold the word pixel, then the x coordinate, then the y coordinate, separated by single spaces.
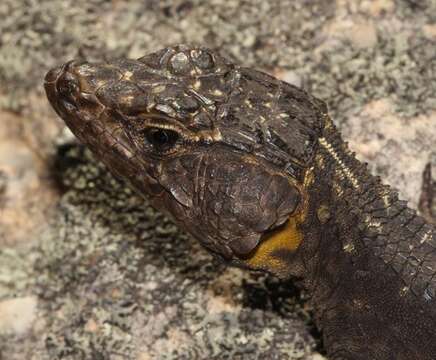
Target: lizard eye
pixel 162 140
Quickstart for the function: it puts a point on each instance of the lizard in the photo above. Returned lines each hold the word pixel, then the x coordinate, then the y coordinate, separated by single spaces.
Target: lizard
pixel 256 170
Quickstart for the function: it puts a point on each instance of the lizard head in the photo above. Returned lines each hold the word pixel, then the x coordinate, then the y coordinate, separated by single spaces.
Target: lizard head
pixel 224 149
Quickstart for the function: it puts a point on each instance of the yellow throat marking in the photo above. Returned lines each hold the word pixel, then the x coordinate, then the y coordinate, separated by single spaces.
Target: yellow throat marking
pixel 286 239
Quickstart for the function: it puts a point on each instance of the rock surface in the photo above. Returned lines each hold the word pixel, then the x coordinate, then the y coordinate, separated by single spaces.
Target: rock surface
pixel 112 278
pixel 17 315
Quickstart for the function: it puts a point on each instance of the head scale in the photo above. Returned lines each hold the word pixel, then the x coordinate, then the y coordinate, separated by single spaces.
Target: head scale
pixel 223 149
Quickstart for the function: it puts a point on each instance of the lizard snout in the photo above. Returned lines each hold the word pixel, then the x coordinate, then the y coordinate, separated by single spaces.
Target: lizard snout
pixel 62 88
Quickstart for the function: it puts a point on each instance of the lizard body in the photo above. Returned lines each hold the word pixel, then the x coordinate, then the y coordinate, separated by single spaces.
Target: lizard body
pixel 255 169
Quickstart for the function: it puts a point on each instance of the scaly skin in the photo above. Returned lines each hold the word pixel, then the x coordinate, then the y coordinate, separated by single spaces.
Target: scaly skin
pixel 256 171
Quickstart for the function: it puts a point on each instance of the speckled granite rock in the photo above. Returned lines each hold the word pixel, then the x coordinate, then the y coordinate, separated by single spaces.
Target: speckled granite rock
pixel 118 279
pixel 109 278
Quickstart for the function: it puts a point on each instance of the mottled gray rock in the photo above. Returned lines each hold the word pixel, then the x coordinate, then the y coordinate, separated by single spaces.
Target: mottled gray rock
pixel 118 278
pixel 114 279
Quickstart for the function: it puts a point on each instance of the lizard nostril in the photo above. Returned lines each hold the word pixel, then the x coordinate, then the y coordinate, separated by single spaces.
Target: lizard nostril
pixel 67 87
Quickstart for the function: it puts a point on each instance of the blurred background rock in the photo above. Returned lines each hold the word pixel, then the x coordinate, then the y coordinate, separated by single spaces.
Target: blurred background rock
pixel 88 270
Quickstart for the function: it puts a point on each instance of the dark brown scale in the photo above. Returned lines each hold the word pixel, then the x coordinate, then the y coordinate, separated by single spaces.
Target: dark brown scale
pixel 202 59
pixel 158 59
pixel 256 171
pixel 180 64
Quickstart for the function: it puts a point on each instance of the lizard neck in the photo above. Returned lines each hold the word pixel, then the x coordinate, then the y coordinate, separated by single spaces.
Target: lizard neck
pixel 364 215
pixel 366 254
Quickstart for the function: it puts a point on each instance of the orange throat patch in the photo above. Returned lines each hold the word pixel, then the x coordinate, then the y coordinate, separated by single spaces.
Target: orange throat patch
pixel 277 248
pixel 269 254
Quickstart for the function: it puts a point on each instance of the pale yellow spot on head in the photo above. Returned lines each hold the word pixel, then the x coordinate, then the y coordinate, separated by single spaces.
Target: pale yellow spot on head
pixel 128 75
pixel 349 248
pixel 404 290
pixel 323 213
pixel 208 135
pixel 197 85
pixel 100 83
pixel 158 89
pixel 128 99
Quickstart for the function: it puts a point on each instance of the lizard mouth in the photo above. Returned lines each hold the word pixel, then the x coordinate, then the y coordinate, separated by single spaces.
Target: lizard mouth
pixel 73 99
pixel 96 125
pixel 81 110
pixel 61 97
pixel 72 95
